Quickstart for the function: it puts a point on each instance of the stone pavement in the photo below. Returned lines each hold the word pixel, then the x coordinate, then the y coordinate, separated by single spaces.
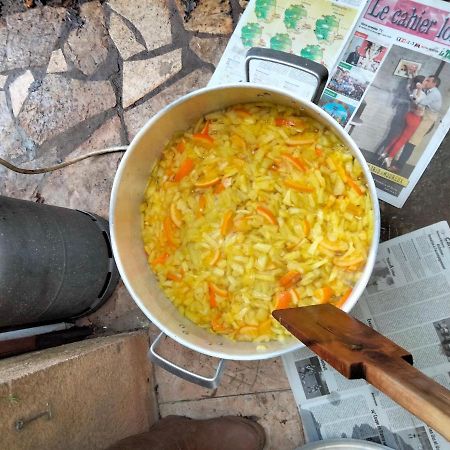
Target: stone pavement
pixel 77 76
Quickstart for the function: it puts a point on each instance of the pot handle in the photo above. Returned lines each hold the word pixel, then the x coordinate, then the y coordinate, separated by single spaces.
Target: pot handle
pixel 209 383
pixel 318 71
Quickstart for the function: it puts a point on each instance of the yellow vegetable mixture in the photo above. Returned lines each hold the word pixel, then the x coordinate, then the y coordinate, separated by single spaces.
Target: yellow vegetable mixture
pixel 258 207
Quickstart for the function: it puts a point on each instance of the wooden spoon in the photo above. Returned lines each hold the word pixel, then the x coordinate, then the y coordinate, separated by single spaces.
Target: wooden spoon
pixel 357 351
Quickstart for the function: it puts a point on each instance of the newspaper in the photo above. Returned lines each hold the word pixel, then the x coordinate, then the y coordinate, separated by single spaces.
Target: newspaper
pixel 315 29
pixel 380 54
pixel 407 299
pixel 381 92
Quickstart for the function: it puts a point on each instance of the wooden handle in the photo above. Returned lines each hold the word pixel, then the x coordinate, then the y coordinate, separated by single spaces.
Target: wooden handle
pixel 411 389
pixel 357 351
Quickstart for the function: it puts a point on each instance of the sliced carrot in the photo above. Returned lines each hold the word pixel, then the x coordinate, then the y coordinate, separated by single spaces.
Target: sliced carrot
pixel 328 292
pixel 283 300
pixel 216 325
pixel 201 203
pixel 306 227
pixel 241 112
pixel 298 163
pixel 204 139
pixel 220 292
pixel 354 210
pixel 174 276
pixel 344 298
pixel 290 279
pixel 281 122
pixel 207 183
pixel 181 147
pixel 289 122
pixel 267 214
pixel 298 186
pixel 319 151
pixel 219 187
pixel 212 296
pixel 324 294
pixel 205 129
pixel 354 185
pixel 168 231
pixel 274 167
pixel 160 259
pixel 184 170
pixel 167 225
pixel 227 223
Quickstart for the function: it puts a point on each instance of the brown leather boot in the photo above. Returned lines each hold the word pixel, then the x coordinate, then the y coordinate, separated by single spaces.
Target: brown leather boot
pixel 182 433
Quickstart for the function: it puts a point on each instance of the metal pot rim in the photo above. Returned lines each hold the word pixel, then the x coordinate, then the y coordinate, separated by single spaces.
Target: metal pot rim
pixel 309 106
pixel 343 444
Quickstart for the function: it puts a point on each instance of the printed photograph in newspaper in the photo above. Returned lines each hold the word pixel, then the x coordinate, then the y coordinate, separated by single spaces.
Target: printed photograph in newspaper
pixel 418 434
pixel 364 53
pixel 339 110
pixel 349 81
pixel 382 277
pixel 400 114
pixel 442 328
pixel 311 376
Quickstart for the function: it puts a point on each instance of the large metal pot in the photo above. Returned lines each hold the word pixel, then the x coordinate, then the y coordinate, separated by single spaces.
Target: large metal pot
pixel 125 221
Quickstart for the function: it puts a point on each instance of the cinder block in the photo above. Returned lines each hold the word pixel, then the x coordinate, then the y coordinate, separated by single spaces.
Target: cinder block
pixel 98 391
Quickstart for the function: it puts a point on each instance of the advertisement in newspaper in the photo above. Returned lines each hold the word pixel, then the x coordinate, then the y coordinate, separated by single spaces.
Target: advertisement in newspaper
pixel 407 299
pixel 314 29
pixel 391 90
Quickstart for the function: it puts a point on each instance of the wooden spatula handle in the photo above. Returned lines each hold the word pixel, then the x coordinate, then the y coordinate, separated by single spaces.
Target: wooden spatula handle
pixel 358 351
pixel 411 389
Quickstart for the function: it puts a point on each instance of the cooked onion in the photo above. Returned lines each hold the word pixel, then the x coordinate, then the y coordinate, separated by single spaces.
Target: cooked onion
pixel 257 207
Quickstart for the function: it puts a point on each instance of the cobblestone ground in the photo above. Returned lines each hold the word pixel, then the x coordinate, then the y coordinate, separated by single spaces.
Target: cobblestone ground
pixel 77 76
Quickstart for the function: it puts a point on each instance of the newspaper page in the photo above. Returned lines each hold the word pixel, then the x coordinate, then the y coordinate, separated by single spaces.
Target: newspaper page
pixel 391 90
pixel 315 29
pixel 407 299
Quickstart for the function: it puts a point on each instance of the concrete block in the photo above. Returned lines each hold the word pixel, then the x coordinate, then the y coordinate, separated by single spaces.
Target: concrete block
pixel 98 391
